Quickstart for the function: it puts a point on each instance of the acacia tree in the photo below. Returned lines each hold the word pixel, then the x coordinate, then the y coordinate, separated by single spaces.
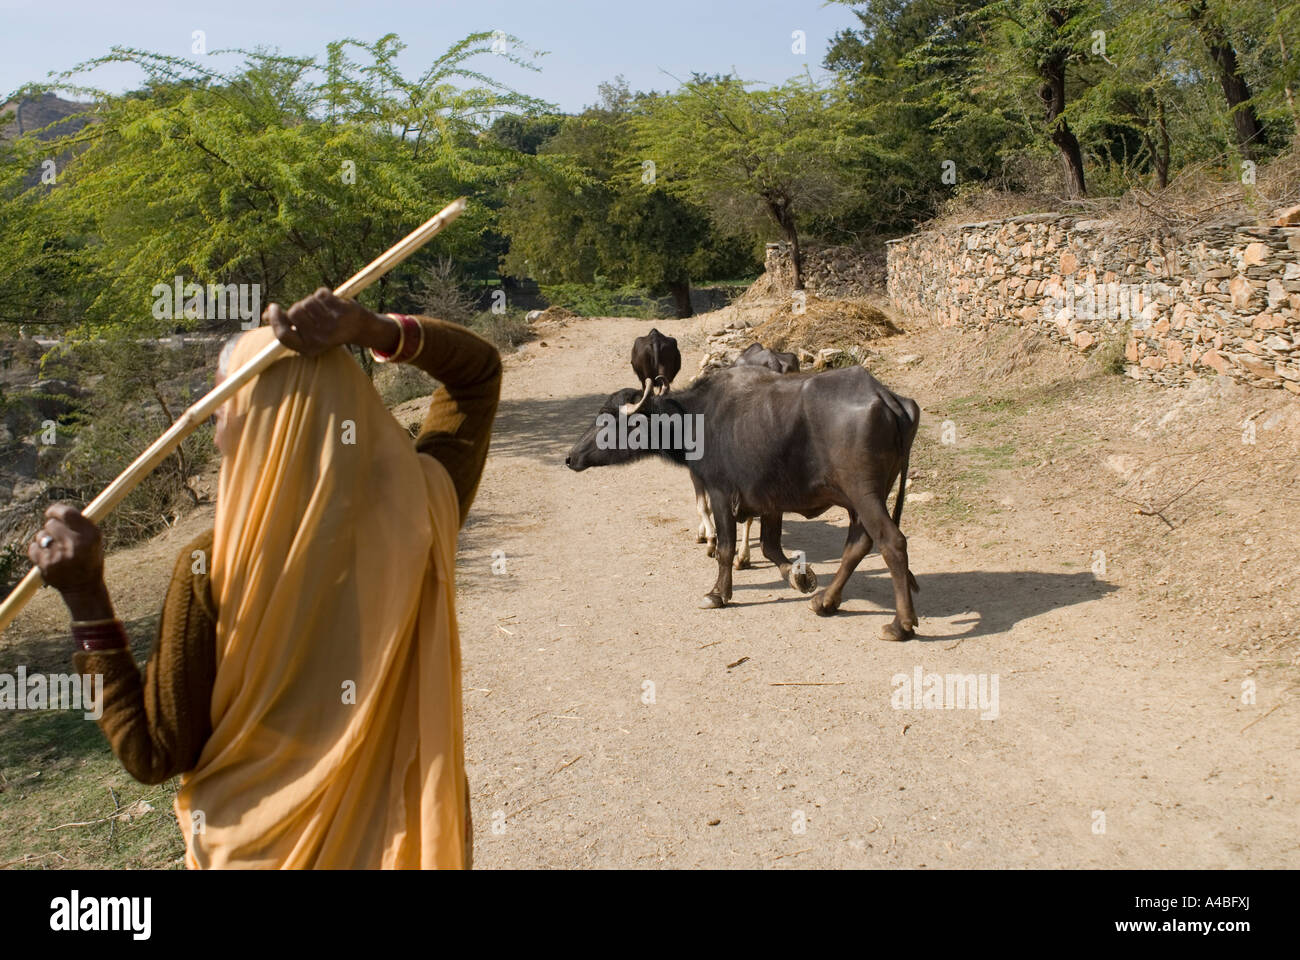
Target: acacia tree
pixel 288 173
pixel 1282 35
pixel 782 153
pixel 590 216
pixel 899 64
pixel 1037 46
pixel 1209 22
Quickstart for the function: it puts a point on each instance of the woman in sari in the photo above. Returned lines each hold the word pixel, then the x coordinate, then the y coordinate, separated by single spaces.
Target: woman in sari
pixel 305 677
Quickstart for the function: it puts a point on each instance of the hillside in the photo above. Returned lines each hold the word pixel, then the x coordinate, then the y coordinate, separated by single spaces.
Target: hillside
pixel 36 113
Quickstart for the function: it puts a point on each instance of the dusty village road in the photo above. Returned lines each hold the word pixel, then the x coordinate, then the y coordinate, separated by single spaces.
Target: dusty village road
pixel 1118 734
pixel 1123 736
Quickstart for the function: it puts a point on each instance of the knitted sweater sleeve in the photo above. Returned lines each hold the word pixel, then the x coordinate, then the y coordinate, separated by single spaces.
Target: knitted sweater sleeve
pixel 458 426
pixel 158 723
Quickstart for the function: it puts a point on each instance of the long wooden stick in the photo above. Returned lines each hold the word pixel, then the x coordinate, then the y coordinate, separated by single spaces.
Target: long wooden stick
pixel 188 422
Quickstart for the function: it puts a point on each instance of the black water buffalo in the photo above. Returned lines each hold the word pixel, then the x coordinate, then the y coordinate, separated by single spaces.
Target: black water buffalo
pixel 656 360
pixel 755 355
pixel 763 444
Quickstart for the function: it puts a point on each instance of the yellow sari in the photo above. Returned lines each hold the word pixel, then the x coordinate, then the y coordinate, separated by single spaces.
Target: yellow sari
pixel 336 712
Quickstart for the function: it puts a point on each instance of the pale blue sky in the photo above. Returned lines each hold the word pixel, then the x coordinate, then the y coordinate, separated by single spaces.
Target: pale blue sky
pixel 588 40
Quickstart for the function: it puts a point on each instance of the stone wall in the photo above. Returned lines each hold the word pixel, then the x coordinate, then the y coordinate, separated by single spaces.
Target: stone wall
pixel 832 273
pixel 1224 300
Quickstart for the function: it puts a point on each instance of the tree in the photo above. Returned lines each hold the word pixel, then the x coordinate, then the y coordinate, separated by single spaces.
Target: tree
pixel 288 173
pixel 589 216
pixel 900 66
pixel 1236 91
pixel 524 133
pixel 1035 45
pixel 784 152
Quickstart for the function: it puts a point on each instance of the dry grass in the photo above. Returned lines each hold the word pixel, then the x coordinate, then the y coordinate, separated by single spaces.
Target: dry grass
pixel 551 314
pixel 1010 357
pixel 1016 355
pixel 1209 193
pixel 825 323
pixel 991 203
pixel 1204 196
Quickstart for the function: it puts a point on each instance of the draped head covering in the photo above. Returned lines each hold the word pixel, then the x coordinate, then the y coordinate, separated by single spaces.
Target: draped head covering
pixel 336 712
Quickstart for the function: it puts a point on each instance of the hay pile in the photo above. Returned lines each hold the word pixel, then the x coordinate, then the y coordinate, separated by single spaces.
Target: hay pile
pixel 556 314
pixel 828 333
pixel 844 324
pixel 767 308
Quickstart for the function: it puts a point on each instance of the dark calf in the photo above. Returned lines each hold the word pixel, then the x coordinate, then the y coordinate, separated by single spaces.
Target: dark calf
pixel 656 360
pixel 757 355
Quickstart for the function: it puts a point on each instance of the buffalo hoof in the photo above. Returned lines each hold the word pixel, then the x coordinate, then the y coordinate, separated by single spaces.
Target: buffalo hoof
pixel 742 563
pixel 821 607
pixel 712 601
pixel 894 631
pixel 805 582
pixel 700 538
pixel 712 548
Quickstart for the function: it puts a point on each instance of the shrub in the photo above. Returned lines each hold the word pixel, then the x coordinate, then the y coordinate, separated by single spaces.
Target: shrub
pixel 507 330
pixel 440 292
pixel 1109 357
pixel 139 389
pixel 399 382
pixel 604 300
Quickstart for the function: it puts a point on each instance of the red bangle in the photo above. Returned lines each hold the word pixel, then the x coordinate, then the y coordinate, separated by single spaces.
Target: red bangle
pixel 99 635
pixel 409 343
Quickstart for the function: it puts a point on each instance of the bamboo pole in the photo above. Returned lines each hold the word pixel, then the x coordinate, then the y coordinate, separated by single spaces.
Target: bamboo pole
pixel 188 422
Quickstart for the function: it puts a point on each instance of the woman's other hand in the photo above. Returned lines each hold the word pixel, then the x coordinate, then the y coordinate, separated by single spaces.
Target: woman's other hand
pixel 69 550
pixel 321 321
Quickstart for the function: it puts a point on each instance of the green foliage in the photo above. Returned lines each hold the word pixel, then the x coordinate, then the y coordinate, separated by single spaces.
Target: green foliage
pixel 759 156
pixel 603 299
pixel 993 86
pixel 526 134
pixel 289 173
pixel 597 213
pixel 901 69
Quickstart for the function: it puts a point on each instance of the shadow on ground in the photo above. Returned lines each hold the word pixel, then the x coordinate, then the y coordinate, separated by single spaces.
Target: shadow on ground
pixel 544 429
pixel 995 600
pixel 42 736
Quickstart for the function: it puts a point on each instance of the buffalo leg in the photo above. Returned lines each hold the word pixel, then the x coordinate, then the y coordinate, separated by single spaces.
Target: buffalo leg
pixel 801 578
pixel 724 521
pixel 742 555
pixel 893 547
pixel 856 546
pixel 705 533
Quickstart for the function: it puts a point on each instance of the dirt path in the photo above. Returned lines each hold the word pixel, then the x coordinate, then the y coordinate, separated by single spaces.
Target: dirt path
pixel 612 723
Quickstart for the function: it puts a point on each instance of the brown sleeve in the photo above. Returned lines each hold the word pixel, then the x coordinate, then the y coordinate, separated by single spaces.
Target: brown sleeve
pixel 157 725
pixel 458 427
